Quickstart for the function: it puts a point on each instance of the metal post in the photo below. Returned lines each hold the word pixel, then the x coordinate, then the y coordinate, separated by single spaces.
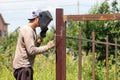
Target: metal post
pixel 60 46
pixel 93 56
pixel 116 75
pixel 107 72
pixel 80 55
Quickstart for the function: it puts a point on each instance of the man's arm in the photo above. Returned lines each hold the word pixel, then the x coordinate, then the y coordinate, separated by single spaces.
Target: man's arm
pixel 30 44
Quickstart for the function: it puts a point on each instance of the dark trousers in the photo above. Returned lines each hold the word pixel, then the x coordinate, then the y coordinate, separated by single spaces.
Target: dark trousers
pixel 25 73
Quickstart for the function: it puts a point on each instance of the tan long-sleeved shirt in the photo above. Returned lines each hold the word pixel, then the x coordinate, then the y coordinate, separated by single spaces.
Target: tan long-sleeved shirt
pixel 26 48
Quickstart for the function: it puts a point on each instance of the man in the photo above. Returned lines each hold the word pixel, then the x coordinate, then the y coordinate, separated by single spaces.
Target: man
pixel 27 48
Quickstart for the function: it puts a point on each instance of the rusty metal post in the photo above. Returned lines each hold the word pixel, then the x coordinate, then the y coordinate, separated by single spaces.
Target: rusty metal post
pixel 80 55
pixel 93 55
pixel 107 72
pixel 116 75
pixel 60 46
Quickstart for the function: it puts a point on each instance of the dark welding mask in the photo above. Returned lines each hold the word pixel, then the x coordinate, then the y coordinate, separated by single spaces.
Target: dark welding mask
pixel 44 19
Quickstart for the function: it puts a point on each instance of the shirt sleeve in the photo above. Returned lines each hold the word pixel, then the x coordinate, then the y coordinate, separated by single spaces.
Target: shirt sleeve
pixel 30 44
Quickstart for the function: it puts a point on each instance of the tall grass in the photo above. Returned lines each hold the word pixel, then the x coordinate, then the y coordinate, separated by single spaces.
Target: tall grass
pixel 44 68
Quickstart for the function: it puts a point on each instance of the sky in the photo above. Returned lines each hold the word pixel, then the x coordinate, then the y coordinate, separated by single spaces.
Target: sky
pixel 16 12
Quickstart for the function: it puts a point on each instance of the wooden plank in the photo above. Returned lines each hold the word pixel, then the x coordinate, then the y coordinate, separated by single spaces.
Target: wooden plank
pixel 91 17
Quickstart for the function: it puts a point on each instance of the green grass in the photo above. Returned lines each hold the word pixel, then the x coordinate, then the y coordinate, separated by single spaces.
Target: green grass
pixel 44 68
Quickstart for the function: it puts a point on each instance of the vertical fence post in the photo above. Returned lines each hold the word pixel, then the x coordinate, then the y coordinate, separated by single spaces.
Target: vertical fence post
pixel 116 75
pixel 107 72
pixel 60 46
pixel 93 55
pixel 80 55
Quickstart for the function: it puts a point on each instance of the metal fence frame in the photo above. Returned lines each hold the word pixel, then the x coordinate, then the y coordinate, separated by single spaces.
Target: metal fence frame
pixel 61 43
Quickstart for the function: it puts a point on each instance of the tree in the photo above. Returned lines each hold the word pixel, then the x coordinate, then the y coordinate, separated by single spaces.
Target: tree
pixel 72 30
pixel 101 29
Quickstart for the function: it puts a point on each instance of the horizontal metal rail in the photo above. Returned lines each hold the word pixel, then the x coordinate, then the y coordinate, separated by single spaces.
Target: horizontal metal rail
pixel 89 40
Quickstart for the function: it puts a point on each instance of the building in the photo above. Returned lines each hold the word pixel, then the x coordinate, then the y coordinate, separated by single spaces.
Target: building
pixel 3 27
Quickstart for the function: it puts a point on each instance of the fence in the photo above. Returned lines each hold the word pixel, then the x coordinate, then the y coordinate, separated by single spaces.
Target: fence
pixel 61 43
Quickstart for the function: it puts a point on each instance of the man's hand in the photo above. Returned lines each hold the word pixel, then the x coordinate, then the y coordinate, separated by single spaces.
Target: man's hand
pixel 39 41
pixel 51 44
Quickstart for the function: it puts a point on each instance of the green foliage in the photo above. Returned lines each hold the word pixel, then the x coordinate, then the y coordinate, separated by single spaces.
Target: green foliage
pixel 7 48
pixel 8 44
pixel 101 29
pixel 72 31
pixel 44 68
pixel 104 8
